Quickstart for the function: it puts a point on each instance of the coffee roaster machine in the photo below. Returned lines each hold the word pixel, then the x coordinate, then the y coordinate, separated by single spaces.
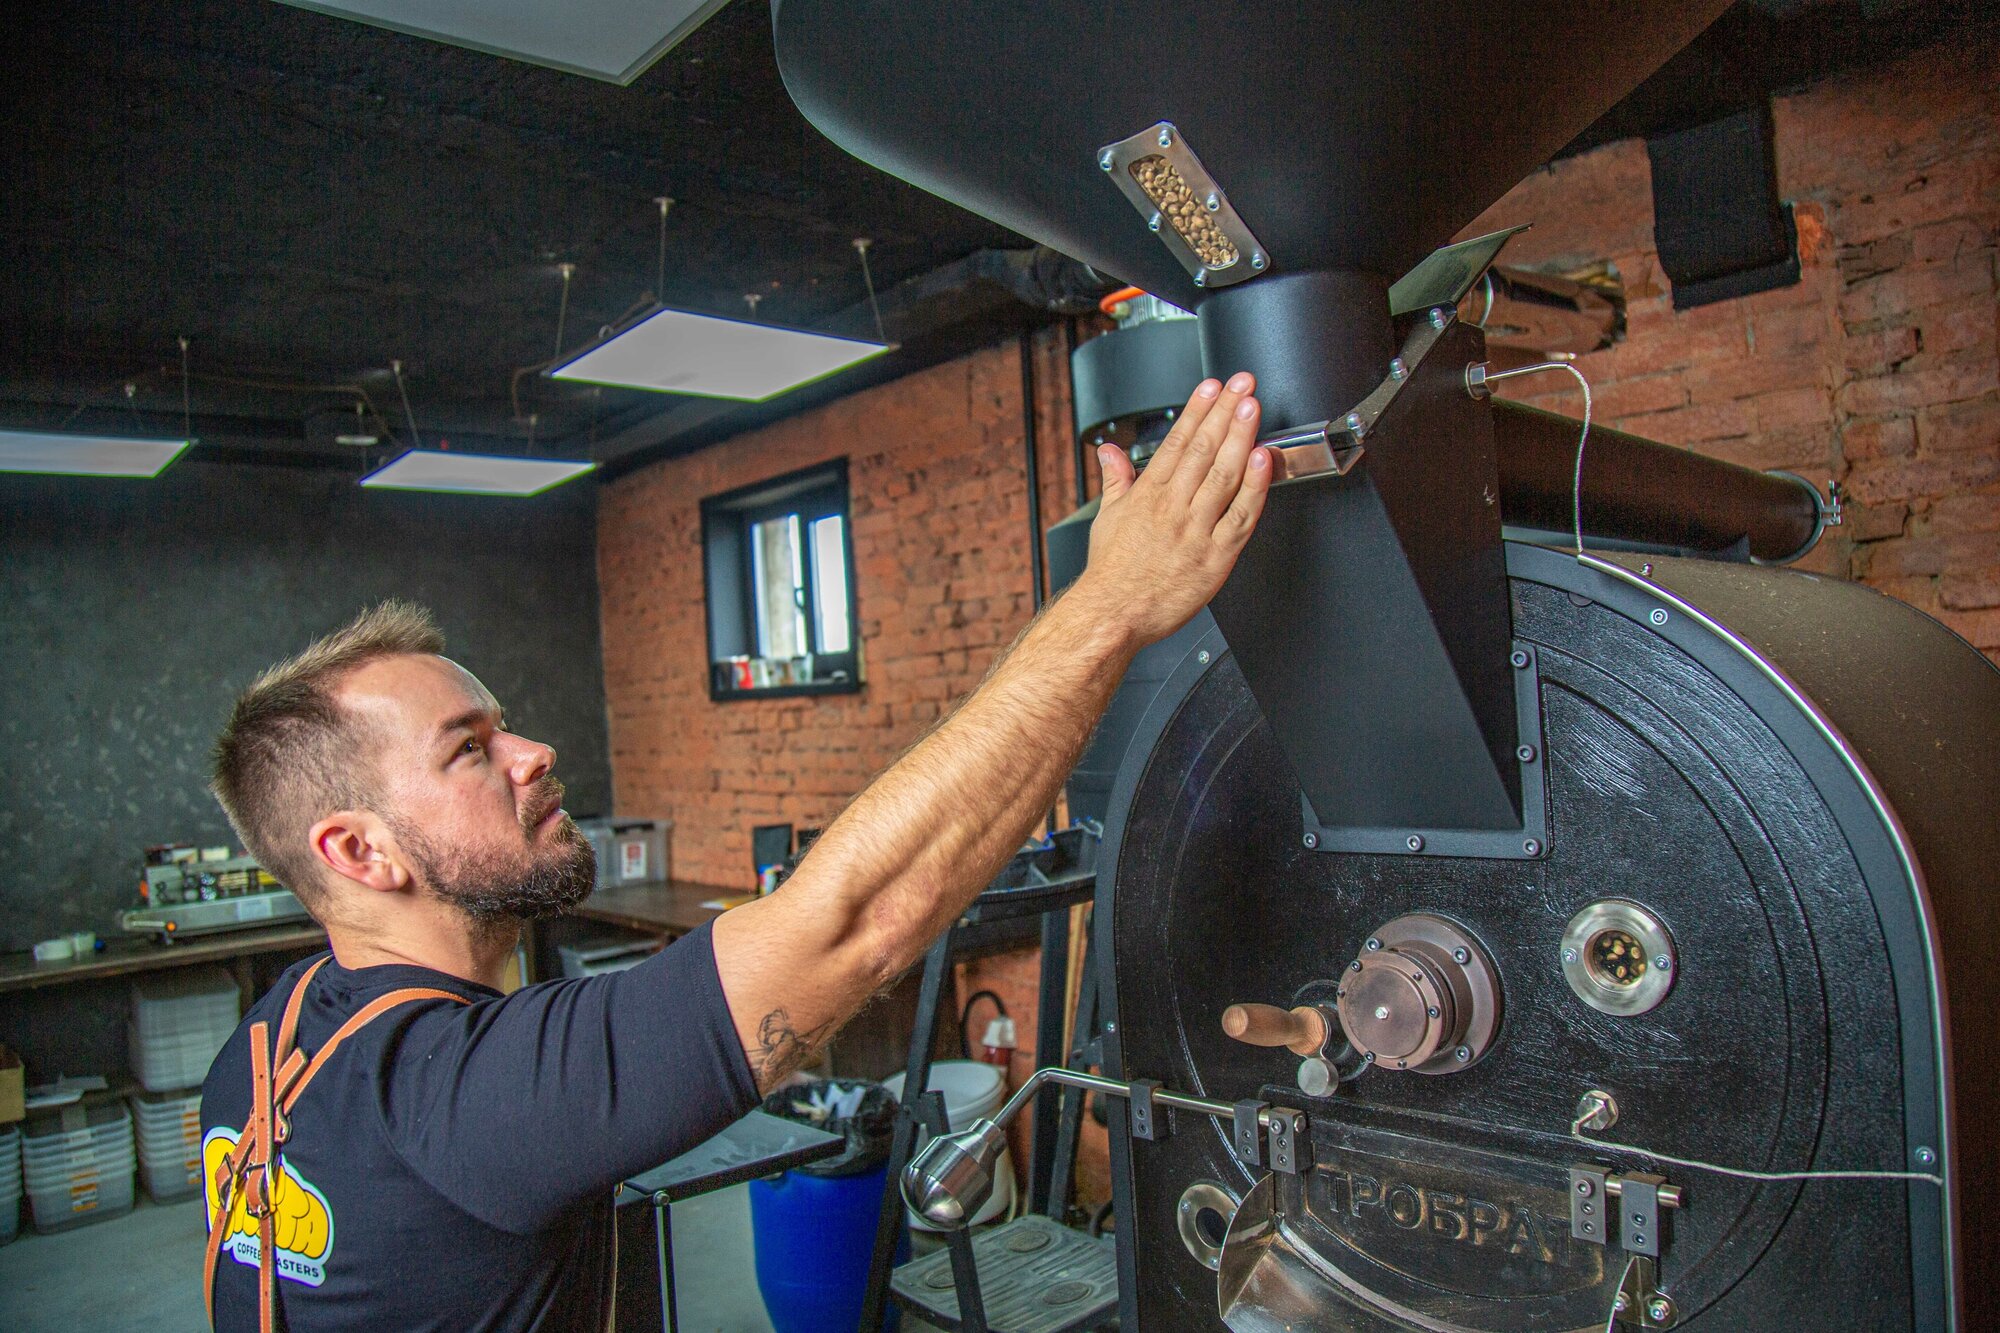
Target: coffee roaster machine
pixel 1529 906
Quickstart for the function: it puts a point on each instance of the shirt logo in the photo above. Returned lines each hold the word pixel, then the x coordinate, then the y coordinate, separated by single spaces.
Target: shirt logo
pixel 302 1221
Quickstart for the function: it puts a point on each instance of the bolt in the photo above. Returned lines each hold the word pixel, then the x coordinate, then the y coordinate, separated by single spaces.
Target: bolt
pixel 1587 1208
pixel 1438 317
pixel 1431 1012
pixel 1202 657
pixel 1368 1057
pixel 1638 1219
pixel 1105 161
pixel 1926 1156
pixel 1660 1310
pixel 1213 202
pixel 1583 1188
pixel 1638 1238
pixel 1462 1054
pixel 1525 753
pixel 1153 222
pixel 1353 423
pixel 1110 1027
pixel 1312 841
pixel 1658 616
pixel 1354 966
pixel 1381 1011
pixel 1519 657
pixel 1531 847
pixel 1397 370
pixel 1414 842
pixel 1373 944
pixel 1569 955
pixel 1201 278
pixel 1619 1304
pixel 1646 570
pixel 1402 1064
pixel 1257 261
pixel 1662 962
pixel 1166 138
pixel 1461 956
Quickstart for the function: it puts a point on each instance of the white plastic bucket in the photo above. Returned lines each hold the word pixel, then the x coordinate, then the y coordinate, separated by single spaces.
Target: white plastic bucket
pixel 971 1089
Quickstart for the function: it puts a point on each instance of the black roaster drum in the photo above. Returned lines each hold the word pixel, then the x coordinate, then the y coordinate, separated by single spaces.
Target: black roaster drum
pixel 1793 774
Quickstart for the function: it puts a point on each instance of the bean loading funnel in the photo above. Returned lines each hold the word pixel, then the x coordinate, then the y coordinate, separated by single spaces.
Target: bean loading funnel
pixel 1274 168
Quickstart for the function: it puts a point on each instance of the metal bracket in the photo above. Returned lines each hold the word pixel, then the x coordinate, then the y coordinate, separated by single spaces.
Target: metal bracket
pixel 1640 1303
pixel 1291 1149
pixel 1247 1132
pixel 1146 1120
pixel 1336 446
pixel 1530 842
pixel 1639 1213
pixel 1590 1205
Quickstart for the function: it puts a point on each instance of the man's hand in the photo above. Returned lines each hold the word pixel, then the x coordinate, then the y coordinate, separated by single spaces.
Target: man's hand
pixel 918 845
pixel 1164 542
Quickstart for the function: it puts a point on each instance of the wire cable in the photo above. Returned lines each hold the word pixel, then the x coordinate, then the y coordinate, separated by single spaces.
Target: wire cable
pixel 1695 1163
pixel 660 280
pixel 187 399
pixel 861 244
pixel 1611 1320
pixel 568 271
pixel 416 440
pixel 1583 437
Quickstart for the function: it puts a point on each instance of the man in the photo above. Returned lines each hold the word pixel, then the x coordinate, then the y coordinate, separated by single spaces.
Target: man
pixel 450 1164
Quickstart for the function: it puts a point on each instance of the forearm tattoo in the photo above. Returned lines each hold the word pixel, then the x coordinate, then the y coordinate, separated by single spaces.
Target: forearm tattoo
pixel 782 1048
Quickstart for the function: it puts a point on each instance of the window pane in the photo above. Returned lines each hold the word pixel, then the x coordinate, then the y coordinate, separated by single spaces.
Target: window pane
pixel 830 585
pixel 780 587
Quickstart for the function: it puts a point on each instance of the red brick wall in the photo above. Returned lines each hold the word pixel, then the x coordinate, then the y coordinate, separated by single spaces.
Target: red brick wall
pixel 1881 368
pixel 938 493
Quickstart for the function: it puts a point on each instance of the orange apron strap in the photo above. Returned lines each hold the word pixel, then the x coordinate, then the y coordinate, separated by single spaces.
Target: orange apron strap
pixel 252 1168
pixel 367 1014
pixel 257 1185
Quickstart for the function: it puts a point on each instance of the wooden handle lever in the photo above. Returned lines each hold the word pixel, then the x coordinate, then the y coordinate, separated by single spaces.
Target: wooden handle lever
pixel 1302 1031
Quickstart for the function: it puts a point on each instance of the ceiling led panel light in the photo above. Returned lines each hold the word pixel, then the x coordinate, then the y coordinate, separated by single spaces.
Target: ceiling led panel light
pixel 615 40
pixel 85 455
pixel 677 351
pixel 474 474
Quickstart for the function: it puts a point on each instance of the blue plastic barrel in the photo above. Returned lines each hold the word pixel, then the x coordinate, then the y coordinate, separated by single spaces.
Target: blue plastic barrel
pixel 814 1236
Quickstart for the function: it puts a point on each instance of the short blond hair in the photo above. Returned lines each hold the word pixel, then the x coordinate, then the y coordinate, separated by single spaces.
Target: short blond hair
pixel 288 755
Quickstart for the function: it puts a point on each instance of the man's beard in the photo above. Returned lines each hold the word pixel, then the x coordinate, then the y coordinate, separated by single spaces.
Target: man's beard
pixel 492 886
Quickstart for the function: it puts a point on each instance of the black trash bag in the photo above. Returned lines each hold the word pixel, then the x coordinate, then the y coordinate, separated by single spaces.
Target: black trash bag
pixel 868 1130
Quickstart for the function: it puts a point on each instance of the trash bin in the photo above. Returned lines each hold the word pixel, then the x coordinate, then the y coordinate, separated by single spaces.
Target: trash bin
pixel 814 1226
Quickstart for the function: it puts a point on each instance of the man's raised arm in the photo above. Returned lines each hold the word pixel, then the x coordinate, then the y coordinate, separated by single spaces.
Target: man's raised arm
pixel 915 848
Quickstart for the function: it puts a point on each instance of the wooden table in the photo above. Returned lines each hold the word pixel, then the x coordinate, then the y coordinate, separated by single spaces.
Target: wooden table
pixel 19 971
pixel 667 907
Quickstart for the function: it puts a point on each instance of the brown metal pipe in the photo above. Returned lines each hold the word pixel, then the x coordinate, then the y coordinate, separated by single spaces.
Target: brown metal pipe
pixel 1640 490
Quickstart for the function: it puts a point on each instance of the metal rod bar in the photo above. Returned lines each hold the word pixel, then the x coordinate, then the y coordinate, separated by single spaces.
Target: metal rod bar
pixel 1069 1113
pixel 663 1242
pixel 1075 435
pixel 1031 441
pixel 1048 1051
pixel 902 1146
pixel 1670 1195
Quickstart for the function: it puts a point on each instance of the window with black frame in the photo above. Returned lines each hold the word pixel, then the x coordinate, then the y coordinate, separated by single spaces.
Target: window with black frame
pixel 779 560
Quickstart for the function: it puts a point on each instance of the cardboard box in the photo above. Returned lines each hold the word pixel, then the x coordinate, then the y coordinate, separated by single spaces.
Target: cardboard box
pixel 13 1087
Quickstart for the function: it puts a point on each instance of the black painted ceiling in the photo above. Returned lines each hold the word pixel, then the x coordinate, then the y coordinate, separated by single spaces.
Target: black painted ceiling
pixel 307 198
